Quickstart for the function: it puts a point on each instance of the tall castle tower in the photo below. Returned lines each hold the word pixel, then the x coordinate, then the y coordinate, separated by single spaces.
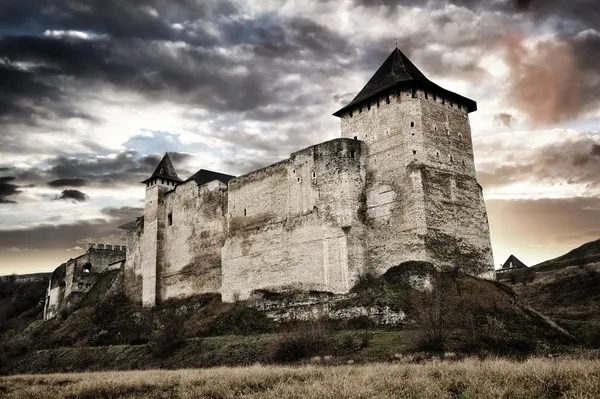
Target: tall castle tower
pixel 423 201
pixel 162 180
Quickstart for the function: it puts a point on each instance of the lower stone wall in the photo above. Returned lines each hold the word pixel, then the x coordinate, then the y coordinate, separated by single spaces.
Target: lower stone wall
pixel 309 257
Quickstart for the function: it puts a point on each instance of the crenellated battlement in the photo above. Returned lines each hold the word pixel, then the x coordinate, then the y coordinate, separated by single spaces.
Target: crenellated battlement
pixel 106 247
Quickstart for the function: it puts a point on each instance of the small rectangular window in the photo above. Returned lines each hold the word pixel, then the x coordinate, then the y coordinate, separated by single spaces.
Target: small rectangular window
pixel 352 154
pixel 170 219
pixel 414 93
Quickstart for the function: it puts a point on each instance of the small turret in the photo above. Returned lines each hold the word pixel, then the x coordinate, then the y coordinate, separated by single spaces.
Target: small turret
pixel 164 174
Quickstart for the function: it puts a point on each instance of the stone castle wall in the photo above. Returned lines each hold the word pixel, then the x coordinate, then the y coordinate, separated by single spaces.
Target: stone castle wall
pixel 400 185
pixel 391 128
pixel 72 280
pixel 194 233
pixel 297 223
pixel 423 199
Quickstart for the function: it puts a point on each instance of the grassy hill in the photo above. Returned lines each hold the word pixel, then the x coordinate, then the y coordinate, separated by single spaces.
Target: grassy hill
pixel 460 314
pixel 21 299
pixel 588 253
pixel 566 289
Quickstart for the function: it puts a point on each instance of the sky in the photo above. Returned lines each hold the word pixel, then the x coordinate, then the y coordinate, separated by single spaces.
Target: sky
pixel 93 92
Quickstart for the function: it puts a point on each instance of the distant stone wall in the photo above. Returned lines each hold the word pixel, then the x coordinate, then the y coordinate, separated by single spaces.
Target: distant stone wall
pixel 72 280
pixel 311 238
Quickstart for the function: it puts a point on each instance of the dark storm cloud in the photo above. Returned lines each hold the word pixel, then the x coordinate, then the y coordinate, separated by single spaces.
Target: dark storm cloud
pixel 126 168
pixel 7 188
pixel 68 182
pixel 52 236
pixel 200 75
pixel 146 19
pixel 570 162
pixel 72 195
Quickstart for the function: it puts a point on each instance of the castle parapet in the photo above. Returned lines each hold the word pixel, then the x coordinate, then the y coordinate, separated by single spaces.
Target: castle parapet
pixel 106 247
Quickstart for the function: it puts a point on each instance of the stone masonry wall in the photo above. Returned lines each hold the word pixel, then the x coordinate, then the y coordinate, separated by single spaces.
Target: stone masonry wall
pixel 392 131
pixel 72 286
pixel 458 232
pixel 423 200
pixel 190 258
pixel 297 223
pixel 132 273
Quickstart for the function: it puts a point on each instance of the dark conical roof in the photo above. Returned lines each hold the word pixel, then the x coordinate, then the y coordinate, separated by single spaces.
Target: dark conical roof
pixel 165 170
pixel 204 176
pixel 398 70
pixel 516 263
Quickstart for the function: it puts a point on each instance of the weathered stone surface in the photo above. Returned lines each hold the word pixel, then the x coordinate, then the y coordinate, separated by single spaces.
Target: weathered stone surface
pixel 72 280
pixel 400 185
pixel 315 307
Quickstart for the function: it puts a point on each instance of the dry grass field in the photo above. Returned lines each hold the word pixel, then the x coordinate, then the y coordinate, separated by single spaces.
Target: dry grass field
pixel 470 378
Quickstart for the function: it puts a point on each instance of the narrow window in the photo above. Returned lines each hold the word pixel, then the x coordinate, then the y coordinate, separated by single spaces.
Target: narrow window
pixel 443 100
pixel 434 96
pixel 244 211
pixel 451 158
pixel 412 124
pixel 369 105
pixel 314 175
pixel 350 114
pixel 437 154
pixel 414 152
pixel 360 109
pixel 387 99
pixel 435 129
pixel 414 93
pixel 298 179
pixel 170 219
pixel 352 154
pixel 162 181
pixel 426 96
pixel 378 102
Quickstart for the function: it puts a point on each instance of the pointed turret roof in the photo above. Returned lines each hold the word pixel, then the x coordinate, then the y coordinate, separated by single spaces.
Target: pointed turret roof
pixel 398 70
pixel 165 170
pixel 513 263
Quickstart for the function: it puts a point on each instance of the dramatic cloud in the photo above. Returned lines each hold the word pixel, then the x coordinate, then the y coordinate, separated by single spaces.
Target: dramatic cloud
pixel 68 182
pixel 544 80
pixel 559 162
pixel 505 119
pixel 7 189
pixel 72 195
pixel 93 93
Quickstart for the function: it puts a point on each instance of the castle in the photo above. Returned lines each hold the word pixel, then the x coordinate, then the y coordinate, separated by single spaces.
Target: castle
pixel 398 186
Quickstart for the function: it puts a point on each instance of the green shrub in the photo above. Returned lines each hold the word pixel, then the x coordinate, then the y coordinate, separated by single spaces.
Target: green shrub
pixel 169 339
pixel 309 341
pixel 240 320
